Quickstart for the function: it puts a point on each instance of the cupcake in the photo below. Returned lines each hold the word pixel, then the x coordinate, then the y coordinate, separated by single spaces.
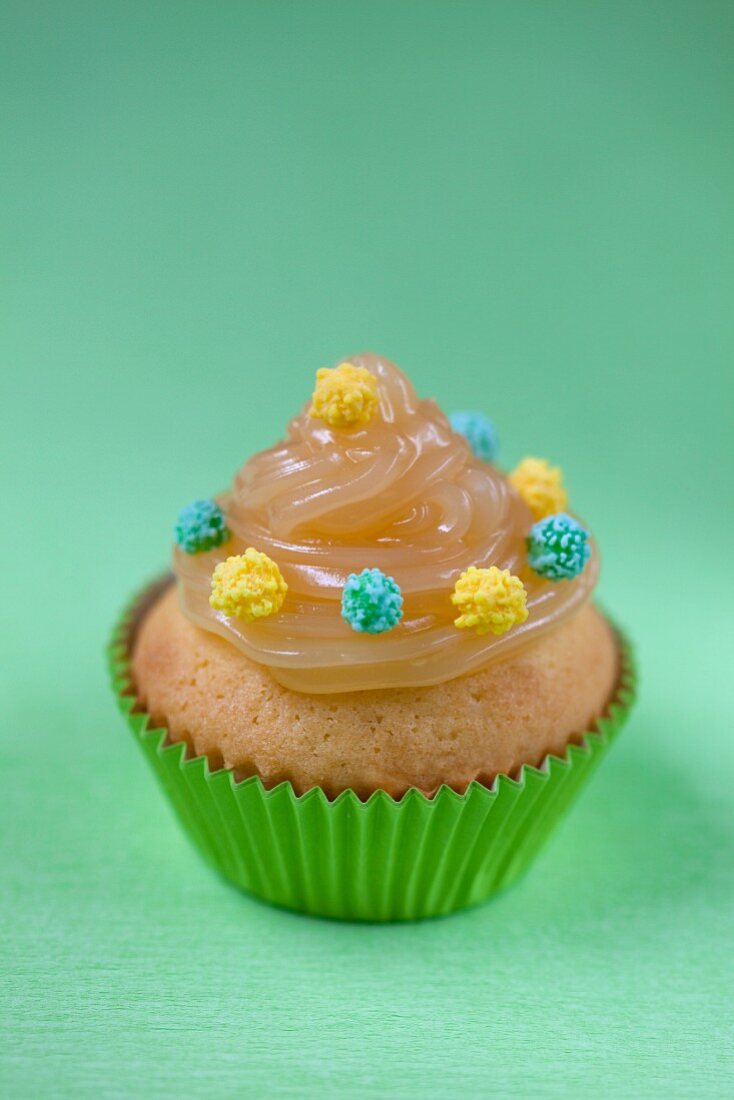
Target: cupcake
pixel 375 676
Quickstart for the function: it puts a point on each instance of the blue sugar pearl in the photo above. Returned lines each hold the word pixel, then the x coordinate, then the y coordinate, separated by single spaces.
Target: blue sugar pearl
pixel 201 526
pixel 479 432
pixel 558 547
pixel 371 602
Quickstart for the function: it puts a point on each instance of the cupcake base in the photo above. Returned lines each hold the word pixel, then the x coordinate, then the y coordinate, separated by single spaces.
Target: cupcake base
pixel 380 859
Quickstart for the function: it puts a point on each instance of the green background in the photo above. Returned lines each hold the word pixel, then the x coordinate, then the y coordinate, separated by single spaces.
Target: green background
pixel 527 206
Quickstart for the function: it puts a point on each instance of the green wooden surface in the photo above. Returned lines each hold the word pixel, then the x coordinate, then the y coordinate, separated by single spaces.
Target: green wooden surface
pixel 530 208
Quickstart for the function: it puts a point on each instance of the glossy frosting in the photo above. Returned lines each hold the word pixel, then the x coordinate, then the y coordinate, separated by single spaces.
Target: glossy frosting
pixel 402 493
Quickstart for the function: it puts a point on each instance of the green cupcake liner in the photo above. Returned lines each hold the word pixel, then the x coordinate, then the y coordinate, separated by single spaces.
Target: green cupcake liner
pixel 379 860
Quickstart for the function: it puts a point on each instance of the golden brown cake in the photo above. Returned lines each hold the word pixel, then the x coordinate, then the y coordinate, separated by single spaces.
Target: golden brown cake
pixel 230 709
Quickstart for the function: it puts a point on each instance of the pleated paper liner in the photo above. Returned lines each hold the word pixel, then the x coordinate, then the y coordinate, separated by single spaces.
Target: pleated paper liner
pixel 383 859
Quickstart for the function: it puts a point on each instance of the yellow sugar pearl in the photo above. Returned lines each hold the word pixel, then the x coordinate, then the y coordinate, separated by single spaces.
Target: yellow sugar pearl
pixel 541 487
pixel 489 600
pixel 345 396
pixel 249 586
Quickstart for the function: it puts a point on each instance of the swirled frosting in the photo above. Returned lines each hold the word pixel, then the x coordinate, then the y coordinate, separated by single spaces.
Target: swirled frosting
pixel 402 493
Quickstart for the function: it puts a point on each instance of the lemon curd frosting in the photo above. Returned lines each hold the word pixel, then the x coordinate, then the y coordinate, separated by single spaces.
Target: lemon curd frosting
pixel 373 548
